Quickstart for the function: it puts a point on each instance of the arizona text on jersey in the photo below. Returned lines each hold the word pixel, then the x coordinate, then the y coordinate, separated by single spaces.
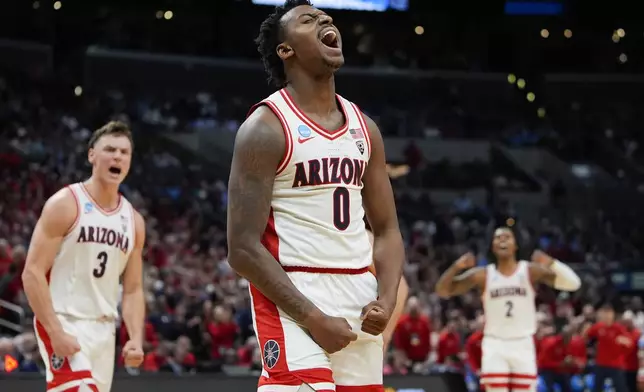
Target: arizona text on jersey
pixel 509 303
pixel 84 279
pixel 316 217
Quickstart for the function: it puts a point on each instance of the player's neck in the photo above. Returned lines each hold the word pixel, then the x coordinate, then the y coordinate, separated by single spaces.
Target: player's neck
pixel 313 95
pixel 106 195
pixel 507 267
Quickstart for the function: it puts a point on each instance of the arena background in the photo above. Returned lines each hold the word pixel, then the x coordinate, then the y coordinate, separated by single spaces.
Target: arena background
pixel 526 113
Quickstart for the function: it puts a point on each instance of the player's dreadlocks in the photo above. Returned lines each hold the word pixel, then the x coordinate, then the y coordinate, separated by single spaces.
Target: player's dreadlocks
pixel 271 35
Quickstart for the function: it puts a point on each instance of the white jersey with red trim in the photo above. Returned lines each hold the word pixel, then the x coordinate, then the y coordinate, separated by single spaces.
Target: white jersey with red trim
pixel 509 303
pixel 316 219
pixel 84 279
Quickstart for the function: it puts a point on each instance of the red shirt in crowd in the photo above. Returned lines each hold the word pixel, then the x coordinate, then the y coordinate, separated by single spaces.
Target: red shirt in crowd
pixel 474 351
pixel 632 359
pixel 223 336
pixel 412 337
pixel 153 362
pixel 553 351
pixel 449 345
pixel 609 353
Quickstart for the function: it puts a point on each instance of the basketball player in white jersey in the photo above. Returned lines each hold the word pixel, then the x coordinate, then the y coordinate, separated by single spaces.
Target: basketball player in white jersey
pixel 509 359
pixel 87 236
pixel 307 166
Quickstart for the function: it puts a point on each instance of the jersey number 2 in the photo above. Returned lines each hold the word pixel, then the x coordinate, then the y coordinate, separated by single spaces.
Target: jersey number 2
pixel 341 208
pixel 102 263
pixel 509 305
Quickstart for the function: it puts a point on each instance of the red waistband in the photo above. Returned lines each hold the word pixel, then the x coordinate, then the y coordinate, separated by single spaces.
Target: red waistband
pixel 334 271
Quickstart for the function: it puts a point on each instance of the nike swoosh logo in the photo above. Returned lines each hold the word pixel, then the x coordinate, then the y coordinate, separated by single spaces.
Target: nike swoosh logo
pixel 304 140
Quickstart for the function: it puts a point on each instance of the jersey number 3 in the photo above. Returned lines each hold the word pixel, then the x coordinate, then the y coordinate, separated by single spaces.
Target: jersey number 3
pixel 102 263
pixel 341 208
pixel 509 305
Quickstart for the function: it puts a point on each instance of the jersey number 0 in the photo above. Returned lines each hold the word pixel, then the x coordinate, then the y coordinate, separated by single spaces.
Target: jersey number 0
pixel 102 263
pixel 341 208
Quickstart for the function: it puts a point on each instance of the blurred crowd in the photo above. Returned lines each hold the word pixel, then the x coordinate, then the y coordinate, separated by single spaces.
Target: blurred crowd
pixel 199 316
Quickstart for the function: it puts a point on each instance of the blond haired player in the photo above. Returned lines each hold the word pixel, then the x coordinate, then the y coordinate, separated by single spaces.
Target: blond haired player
pixel 87 236
pixel 507 287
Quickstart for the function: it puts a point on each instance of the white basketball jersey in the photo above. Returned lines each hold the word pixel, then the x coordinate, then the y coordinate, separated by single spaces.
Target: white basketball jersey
pixel 316 219
pixel 84 280
pixel 509 303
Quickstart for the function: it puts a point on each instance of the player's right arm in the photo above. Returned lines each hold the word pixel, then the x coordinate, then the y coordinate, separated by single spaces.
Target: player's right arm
pixel 259 148
pixel 57 218
pixel 452 282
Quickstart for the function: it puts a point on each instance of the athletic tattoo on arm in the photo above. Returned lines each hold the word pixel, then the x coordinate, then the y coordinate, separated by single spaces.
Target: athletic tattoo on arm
pixel 259 147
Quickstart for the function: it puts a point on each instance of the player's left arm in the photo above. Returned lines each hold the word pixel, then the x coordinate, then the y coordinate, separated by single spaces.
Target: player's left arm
pixel 379 205
pixel 552 272
pixel 133 297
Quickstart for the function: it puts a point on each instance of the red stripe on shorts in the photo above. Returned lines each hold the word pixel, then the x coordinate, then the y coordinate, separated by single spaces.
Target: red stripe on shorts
pixel 297 377
pixel 65 373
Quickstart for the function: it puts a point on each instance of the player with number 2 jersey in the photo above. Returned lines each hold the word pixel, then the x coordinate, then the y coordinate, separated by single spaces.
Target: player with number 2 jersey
pixel 508 293
pixel 88 235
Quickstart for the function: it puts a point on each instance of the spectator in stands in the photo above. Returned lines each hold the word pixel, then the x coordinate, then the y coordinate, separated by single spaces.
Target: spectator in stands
pixel 412 335
pixel 449 346
pixel 558 357
pixel 223 331
pixel 632 352
pixel 28 357
pixel 473 350
pixel 181 360
pixel 612 344
pixel 156 359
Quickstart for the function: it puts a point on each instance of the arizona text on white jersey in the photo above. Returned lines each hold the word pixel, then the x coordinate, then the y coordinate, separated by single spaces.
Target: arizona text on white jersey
pixel 316 218
pixel 84 279
pixel 509 303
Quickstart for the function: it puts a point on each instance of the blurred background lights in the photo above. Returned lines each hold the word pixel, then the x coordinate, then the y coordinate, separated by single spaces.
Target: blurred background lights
pixel 159 14
pixel 78 91
pixel 521 84
pixel 530 97
pixel 419 30
pixel 568 33
pixel 545 33
pixel 541 112
pixel 623 58
pixel 168 15
pixel 512 78
pixel 58 5
pixel 621 33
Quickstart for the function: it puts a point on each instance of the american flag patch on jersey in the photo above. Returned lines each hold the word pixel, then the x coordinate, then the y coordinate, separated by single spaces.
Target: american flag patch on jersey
pixel 356 133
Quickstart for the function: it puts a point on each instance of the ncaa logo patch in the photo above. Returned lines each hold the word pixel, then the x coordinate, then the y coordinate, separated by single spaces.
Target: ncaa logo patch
pixel 360 145
pixel 57 362
pixel 271 353
pixel 88 207
pixel 304 131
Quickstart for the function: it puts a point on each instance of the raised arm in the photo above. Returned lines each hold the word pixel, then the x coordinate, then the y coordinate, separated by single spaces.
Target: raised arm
pixel 388 247
pixel 259 147
pixel 57 218
pixel 450 284
pixel 552 272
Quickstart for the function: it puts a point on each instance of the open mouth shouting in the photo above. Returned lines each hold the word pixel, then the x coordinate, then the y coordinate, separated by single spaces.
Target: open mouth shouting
pixel 330 39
